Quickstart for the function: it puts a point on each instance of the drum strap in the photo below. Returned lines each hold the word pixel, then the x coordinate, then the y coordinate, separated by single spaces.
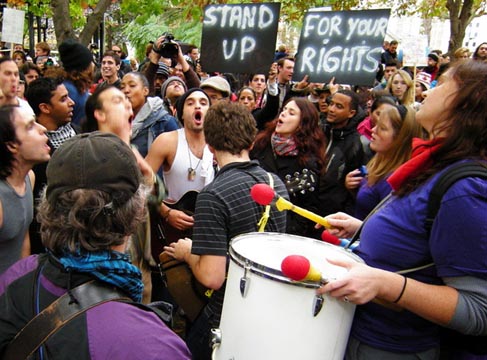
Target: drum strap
pixel 265 215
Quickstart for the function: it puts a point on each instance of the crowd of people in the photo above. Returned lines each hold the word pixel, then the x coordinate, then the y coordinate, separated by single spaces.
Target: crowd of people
pixel 99 161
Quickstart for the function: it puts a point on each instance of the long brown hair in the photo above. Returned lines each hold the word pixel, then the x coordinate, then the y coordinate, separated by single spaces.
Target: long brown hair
pixel 466 124
pixel 382 164
pixel 310 140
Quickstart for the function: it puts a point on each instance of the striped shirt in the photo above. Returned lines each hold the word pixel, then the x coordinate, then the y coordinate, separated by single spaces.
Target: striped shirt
pixel 225 209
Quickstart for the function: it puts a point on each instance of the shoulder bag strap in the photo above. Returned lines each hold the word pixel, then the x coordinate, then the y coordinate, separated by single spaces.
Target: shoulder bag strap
pixel 356 236
pixel 452 175
pixel 265 215
pixel 58 314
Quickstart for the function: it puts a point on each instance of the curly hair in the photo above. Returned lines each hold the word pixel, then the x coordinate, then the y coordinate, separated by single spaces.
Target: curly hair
pixel 82 80
pixel 310 140
pixel 88 219
pixel 466 124
pixel 229 127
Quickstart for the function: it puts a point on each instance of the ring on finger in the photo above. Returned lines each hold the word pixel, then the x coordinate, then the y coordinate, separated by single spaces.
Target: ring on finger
pixel 346 299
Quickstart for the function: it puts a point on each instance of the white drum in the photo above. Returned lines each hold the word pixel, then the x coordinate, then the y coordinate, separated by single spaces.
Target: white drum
pixel 267 316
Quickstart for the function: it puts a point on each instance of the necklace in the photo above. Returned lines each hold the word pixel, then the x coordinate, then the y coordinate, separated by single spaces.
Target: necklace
pixel 191 170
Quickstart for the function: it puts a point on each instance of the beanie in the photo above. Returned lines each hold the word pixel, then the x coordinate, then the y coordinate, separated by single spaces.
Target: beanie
pixel 424 78
pixel 74 56
pixel 162 69
pixel 166 83
pixel 182 99
pixel 434 57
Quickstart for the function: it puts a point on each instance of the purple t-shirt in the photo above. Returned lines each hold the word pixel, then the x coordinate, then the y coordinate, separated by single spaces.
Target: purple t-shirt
pixel 394 239
pixel 369 196
pixel 112 330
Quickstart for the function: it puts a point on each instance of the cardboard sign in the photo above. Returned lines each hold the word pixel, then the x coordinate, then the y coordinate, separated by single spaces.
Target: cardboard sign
pixel 343 44
pixel 416 53
pixel 13 26
pixel 239 38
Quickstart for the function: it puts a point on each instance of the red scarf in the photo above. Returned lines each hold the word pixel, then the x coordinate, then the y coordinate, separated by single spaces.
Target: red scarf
pixel 420 161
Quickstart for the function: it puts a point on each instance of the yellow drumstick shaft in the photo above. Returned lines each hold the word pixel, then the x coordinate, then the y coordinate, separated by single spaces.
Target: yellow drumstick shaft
pixel 283 204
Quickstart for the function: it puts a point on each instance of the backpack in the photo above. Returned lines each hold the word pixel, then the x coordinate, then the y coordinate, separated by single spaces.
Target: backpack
pixel 450 339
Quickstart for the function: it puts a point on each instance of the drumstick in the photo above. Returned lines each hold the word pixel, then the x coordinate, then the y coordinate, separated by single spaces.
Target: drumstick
pixel 263 194
pixel 334 240
pixel 298 268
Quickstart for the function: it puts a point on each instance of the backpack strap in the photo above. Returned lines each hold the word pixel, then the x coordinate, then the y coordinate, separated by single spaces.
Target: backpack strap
pixel 448 178
pixel 58 314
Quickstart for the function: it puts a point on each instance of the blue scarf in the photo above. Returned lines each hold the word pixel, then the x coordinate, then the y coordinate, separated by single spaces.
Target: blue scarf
pixel 111 267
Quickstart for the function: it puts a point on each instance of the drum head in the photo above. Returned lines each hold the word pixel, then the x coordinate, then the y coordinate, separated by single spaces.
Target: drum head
pixel 263 253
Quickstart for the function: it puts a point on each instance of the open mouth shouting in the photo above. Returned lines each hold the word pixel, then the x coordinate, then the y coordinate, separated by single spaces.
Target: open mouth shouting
pixel 198 117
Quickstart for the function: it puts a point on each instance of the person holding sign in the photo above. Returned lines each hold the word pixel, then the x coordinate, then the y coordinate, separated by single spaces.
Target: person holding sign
pixel 288 88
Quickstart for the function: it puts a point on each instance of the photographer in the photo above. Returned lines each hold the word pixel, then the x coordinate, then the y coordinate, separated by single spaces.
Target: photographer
pixel 166 47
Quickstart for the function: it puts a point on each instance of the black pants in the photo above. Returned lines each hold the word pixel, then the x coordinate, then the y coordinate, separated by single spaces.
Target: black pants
pixel 198 338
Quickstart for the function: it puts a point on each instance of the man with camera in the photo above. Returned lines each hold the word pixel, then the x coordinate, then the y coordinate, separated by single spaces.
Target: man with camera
pixel 166 47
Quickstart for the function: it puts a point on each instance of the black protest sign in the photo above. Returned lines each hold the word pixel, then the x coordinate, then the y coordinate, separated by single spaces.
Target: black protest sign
pixel 343 44
pixel 239 38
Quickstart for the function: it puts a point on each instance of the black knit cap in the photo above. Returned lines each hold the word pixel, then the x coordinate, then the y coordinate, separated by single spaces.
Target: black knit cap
pixel 74 55
pixel 434 57
pixel 97 161
pixel 182 99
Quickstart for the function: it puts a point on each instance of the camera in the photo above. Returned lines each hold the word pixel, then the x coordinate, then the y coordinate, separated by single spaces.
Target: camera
pixel 167 48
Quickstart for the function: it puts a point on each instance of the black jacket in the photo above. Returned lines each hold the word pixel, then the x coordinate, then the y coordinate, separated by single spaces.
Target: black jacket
pixel 345 153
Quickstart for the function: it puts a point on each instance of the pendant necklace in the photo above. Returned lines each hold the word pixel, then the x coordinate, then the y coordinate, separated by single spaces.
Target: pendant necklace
pixel 191 170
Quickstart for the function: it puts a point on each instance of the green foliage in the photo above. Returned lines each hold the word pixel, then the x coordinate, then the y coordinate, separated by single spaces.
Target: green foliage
pixel 184 19
pixel 39 8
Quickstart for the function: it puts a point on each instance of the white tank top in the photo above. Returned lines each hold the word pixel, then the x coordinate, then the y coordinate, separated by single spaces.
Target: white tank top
pixel 176 179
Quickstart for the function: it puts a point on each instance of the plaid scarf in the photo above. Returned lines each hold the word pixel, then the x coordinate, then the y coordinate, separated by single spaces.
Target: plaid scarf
pixel 283 146
pixel 59 136
pixel 108 266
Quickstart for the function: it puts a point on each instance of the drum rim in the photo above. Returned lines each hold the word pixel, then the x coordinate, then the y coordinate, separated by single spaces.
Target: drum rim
pixel 274 274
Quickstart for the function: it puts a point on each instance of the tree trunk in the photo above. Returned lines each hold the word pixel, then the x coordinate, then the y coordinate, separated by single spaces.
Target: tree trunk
pixel 63 27
pixel 93 21
pixel 460 17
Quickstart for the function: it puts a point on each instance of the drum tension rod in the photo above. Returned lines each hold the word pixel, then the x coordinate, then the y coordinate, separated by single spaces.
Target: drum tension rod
pixel 317 304
pixel 244 281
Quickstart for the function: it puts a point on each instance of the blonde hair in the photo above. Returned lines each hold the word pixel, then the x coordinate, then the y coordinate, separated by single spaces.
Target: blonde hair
pixel 408 98
pixel 458 54
pixel 383 164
